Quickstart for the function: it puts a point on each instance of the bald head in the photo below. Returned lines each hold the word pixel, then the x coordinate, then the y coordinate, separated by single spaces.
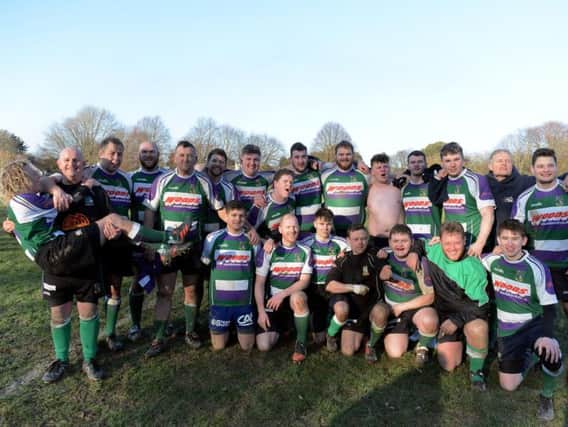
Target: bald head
pixel 71 165
pixel 149 155
pixel 289 229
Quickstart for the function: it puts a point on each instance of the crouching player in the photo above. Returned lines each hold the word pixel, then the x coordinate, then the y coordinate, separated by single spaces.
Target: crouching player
pixel 356 297
pixel 279 290
pixel 231 257
pixel 66 256
pixel 409 294
pixel 526 303
pixel 325 248
pixel 461 301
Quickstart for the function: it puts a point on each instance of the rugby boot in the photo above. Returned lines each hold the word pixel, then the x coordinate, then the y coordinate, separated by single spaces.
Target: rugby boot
pixel 55 371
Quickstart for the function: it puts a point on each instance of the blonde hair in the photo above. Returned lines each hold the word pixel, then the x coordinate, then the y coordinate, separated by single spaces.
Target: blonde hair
pixel 14 179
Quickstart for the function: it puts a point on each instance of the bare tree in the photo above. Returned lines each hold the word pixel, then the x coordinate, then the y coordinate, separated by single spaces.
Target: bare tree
pixel 205 136
pixel 150 129
pixel 398 160
pixel 84 130
pixel 11 143
pixel 326 139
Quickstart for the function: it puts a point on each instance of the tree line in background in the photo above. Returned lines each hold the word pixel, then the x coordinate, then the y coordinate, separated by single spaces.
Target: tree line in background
pixel 91 124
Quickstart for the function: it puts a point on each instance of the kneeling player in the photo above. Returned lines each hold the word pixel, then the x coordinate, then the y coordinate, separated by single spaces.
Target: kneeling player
pixel 231 257
pixel 65 255
pixel 325 248
pixel 409 294
pixel 279 290
pixel 525 299
pixel 461 301
pixel 356 297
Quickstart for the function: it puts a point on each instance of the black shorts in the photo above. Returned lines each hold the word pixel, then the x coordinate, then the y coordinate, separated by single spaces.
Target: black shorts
pixel 560 281
pixel 189 264
pixel 402 324
pixel 281 320
pixel 60 290
pixel 358 317
pixel 378 242
pixel 515 350
pixel 71 253
pixel 465 317
pixel 117 257
pixel 318 302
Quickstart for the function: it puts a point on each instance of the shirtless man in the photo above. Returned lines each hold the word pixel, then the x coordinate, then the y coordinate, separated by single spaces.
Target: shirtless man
pixel 384 204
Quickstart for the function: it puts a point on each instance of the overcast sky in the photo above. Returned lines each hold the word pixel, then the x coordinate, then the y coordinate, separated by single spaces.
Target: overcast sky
pixel 395 75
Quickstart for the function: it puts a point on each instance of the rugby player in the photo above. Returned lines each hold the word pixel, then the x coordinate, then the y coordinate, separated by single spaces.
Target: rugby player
pixel 118 255
pixel 356 299
pixel 526 305
pixel 325 248
pixel 249 182
pixel 410 295
pixel 177 196
pixel 345 190
pixel 231 257
pixel 279 202
pixel 279 290
pixel 144 261
pixel 543 209
pixel 461 301
pixel 465 197
pixel 306 188
pixel 69 261
pixel 384 204
pixel 421 216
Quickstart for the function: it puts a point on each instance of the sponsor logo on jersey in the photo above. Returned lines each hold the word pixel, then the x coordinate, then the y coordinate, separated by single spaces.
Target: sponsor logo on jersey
pixel 182 200
pixel 400 285
pixel 455 201
pixel 142 191
pixel 324 262
pixel 549 216
pixel 509 287
pixel 417 203
pixel 305 186
pixel 286 269
pixel 117 194
pixel 250 192
pixel 345 188
pixel 232 258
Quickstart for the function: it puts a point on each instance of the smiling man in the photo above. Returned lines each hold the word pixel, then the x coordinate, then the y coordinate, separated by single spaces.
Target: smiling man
pixel 543 209
pixel 465 196
pixel 526 306
pixel 345 190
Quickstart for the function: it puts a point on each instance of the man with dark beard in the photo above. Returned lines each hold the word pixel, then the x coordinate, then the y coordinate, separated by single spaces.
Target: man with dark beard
pixel 142 179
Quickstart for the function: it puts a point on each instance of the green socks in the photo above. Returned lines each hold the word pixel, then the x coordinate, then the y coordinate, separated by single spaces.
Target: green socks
pixel 548 384
pixel 136 302
pixel 61 336
pixel 89 332
pixel 112 308
pixel 301 322
pixel 376 333
pixel 190 311
pixel 476 358
pixel 334 326
pixel 160 329
pixel 424 340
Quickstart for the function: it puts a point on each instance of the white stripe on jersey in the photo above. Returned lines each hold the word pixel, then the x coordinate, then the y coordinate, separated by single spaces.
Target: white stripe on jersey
pixel 420 228
pixel 231 285
pixel 551 245
pixel 346 211
pixel 307 210
pixel 507 317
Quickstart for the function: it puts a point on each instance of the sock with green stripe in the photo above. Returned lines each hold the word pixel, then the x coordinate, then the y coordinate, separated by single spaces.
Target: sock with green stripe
pixel 112 308
pixel 190 312
pixel 89 332
pixel 334 326
pixel 301 321
pixel 376 333
pixel 61 336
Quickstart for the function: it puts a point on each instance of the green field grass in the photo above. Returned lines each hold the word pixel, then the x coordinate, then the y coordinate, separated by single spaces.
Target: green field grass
pixel 185 387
